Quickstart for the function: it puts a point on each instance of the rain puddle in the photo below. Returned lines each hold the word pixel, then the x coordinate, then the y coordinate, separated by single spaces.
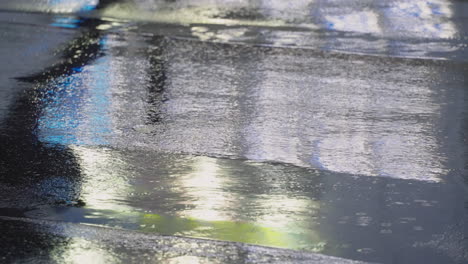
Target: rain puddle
pixel 351 216
pixel 322 126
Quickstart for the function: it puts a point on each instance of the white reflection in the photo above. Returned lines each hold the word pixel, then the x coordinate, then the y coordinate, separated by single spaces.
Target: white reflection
pixel 273 133
pixel 411 19
pixel 71 5
pixel 211 195
pixel 420 19
pixel 205 187
pixel 79 250
pixel 360 125
pixel 58 6
pixel 361 22
pixel 105 178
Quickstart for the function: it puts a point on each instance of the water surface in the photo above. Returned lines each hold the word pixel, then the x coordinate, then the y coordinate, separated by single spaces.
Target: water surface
pixel 320 126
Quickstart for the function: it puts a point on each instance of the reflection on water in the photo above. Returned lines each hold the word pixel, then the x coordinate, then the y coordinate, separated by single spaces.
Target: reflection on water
pixel 222 230
pixel 434 18
pixel 335 122
pixel 374 219
pixel 359 26
pixel 72 105
pixel 184 195
pixel 105 179
pixel 79 250
pixel 361 22
pixel 52 242
pixel 56 6
pixel 205 176
pixel 120 104
pixel 390 18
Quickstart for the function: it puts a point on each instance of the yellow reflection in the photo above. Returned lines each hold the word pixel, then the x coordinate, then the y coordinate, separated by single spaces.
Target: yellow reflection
pixel 222 230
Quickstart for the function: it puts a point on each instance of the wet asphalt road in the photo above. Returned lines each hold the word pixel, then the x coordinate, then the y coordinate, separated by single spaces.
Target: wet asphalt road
pixel 132 133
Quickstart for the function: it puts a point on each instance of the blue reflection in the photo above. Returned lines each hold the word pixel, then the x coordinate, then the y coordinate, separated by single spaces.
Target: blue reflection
pixel 61 111
pixel 77 69
pixel 66 22
pixel 64 25
pixel 87 8
pixel 99 120
pixel 76 106
pixel 79 5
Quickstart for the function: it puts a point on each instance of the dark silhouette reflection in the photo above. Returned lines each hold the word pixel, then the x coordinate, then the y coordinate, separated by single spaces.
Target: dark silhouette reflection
pixel 35 173
pixel 22 242
pixel 157 76
pixel 47 172
pixel 105 3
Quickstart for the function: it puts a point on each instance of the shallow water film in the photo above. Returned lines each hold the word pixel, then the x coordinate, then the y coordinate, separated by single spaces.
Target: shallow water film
pixel 210 131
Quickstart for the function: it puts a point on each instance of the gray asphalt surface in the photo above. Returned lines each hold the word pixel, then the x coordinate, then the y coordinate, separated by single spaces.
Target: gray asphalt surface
pixel 310 132
pixel 39 241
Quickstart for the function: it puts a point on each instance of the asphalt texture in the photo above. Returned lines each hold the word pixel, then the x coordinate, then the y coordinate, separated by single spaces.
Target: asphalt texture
pixel 233 132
